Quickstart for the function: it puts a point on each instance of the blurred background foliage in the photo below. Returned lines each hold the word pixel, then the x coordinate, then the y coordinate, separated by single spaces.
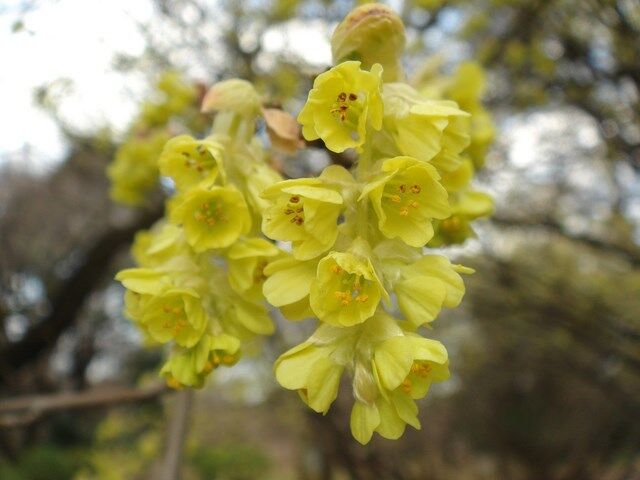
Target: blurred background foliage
pixel 545 352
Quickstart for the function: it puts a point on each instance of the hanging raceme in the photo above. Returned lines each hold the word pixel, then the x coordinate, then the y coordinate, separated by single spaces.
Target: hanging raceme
pixel 393 203
pixel 358 260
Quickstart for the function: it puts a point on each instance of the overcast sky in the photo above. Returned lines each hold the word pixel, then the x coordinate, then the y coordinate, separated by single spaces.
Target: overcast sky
pixel 77 40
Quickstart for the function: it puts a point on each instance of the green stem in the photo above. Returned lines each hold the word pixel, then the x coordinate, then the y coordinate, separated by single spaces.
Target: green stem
pixel 363 168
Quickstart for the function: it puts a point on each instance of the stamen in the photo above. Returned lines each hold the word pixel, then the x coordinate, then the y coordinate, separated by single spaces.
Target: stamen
pixel 294 199
pixel 336 268
pixel 344 297
pixel 415 189
pixel 362 298
pixel 342 97
pixel 406 385
pixel 209 366
pixel 353 97
pixel 451 224
pixel 402 188
pixel 404 211
pixel 173 383
pixel 414 204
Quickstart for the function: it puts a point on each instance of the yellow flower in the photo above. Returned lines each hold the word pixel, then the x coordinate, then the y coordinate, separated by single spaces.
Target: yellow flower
pixel 134 170
pixel 346 290
pixel 341 104
pixel 175 314
pixel 465 87
pixel 404 366
pixel 429 130
pixel 189 367
pixel 288 284
pixel 466 207
pixel 247 260
pixel 304 211
pixel 212 218
pixel 314 368
pixel 242 317
pixel 428 285
pixel 162 246
pixel 406 197
pixel 189 161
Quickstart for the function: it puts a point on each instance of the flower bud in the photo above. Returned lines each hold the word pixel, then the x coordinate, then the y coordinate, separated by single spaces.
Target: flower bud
pixel 234 95
pixel 371 33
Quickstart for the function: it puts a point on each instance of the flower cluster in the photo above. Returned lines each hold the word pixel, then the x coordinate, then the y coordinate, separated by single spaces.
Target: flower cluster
pixel 200 270
pixel 357 259
pixel 356 239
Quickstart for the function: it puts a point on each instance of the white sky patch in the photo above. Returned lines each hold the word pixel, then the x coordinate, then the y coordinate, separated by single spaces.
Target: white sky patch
pixel 307 40
pixel 74 39
pixel 78 40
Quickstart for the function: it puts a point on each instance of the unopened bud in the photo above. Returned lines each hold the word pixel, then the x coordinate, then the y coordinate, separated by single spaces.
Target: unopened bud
pixel 371 33
pixel 233 95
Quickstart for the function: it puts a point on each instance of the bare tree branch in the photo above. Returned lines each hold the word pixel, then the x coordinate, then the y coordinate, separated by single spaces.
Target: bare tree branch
pixel 22 411
pixel 628 252
pixel 176 435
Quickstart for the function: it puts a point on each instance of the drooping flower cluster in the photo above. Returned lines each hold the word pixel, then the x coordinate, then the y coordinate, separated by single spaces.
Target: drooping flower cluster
pixel 358 262
pixel 200 269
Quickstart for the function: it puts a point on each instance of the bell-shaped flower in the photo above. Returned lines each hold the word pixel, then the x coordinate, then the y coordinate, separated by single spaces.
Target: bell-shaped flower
pixel 189 161
pixel 247 260
pixel 134 170
pixel 305 212
pixel 429 130
pixel 346 290
pixel 212 218
pixel 189 367
pixel 288 284
pixel 427 285
pixel 175 314
pixel 239 315
pixel 404 367
pixel 467 205
pixel 342 103
pixel 314 368
pixel 406 196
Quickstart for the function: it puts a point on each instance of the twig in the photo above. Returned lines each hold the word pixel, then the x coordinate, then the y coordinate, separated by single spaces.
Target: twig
pixel 630 253
pixel 22 411
pixel 176 436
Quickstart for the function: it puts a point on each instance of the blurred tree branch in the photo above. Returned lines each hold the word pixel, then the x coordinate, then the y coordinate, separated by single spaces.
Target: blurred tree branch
pixel 176 435
pixel 72 295
pixel 630 253
pixel 22 411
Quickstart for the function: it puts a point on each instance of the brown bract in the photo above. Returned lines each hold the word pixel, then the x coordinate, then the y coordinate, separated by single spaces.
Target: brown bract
pixel 283 130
